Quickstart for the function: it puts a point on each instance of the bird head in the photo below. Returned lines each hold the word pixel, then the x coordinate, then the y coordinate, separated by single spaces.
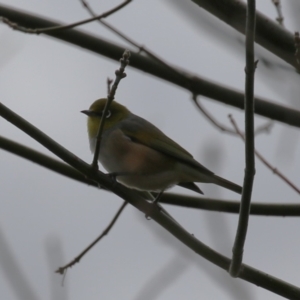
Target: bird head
pixel 115 114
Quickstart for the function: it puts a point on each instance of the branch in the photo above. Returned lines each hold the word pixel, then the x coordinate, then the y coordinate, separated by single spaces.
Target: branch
pixel 260 209
pixel 264 161
pixel 260 129
pixel 297 46
pixel 141 48
pixel 62 270
pixel 269 34
pixel 191 82
pixel 247 273
pixel 226 206
pixel 120 74
pixel 15 26
pixel 240 238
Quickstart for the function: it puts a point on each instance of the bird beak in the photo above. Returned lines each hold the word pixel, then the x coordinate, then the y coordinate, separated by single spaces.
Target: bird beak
pixel 86 112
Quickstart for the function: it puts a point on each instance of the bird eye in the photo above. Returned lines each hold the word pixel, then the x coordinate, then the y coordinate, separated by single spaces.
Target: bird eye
pixel 108 114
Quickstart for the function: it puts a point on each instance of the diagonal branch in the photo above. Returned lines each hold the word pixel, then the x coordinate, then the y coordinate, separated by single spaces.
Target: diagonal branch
pixel 269 34
pixel 226 206
pixel 264 161
pixel 247 273
pixel 120 74
pixel 15 26
pixel 260 129
pixel 129 40
pixel 184 79
pixel 62 270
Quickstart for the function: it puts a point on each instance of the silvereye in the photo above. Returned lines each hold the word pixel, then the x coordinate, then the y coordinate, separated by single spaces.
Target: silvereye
pixel 142 157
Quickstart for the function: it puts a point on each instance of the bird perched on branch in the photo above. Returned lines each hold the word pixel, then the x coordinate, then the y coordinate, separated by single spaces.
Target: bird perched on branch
pixel 142 157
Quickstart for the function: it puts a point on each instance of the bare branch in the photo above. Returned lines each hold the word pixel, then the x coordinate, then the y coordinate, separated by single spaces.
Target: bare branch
pixel 226 206
pixel 141 48
pixel 269 34
pixel 15 26
pixel 264 161
pixel 297 46
pixel 240 238
pixel 187 80
pixel 120 74
pixel 229 206
pixel 223 128
pixel 62 270
pixel 247 273
pixel 260 129
pixel 264 128
pixel 108 82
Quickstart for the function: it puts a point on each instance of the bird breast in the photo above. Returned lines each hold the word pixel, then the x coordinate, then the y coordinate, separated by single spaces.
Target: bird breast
pixel 141 167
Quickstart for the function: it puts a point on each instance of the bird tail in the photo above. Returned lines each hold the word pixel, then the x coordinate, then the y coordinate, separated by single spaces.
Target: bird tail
pixel 227 184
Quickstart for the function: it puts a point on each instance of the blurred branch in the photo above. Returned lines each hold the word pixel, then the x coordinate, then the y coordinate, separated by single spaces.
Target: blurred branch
pixel 217 124
pixel 260 129
pixel 13 272
pixel 264 161
pixel 55 255
pixel 157 214
pixel 280 18
pixel 264 128
pixel 260 209
pixel 189 81
pixel 228 206
pixel 163 279
pixel 141 48
pixel 15 26
pixel 297 46
pixel 62 270
pixel 240 238
pixel 269 34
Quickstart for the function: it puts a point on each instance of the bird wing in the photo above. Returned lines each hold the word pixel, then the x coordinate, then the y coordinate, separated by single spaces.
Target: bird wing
pixel 143 132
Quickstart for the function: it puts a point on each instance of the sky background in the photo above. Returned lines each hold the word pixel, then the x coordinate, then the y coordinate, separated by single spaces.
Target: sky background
pixel 46 219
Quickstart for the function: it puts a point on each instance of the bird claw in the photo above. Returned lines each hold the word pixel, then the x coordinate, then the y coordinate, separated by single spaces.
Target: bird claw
pixel 113 177
pixel 154 206
pixel 157 198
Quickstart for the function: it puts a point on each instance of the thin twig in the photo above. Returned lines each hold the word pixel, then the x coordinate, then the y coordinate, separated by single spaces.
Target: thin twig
pixel 62 270
pixel 247 273
pixel 225 206
pixel 240 238
pixel 108 82
pixel 264 161
pixel 223 128
pixel 120 74
pixel 188 81
pixel 141 48
pixel 15 26
pixel 264 128
pixel 229 206
pixel 280 18
pixel 260 129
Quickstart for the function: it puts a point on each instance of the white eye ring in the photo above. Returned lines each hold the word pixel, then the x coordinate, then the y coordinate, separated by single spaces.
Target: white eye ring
pixel 108 114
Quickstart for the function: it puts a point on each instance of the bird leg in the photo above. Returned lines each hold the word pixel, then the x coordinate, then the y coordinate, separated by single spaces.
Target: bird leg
pixel 155 201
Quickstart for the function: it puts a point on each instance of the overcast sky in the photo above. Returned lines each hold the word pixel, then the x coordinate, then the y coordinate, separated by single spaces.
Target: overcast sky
pixel 46 219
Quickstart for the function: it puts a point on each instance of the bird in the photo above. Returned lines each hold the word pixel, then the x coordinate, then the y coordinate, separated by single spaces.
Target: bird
pixel 141 157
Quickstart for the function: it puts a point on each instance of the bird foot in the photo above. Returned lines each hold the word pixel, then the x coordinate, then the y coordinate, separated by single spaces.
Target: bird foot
pixel 154 206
